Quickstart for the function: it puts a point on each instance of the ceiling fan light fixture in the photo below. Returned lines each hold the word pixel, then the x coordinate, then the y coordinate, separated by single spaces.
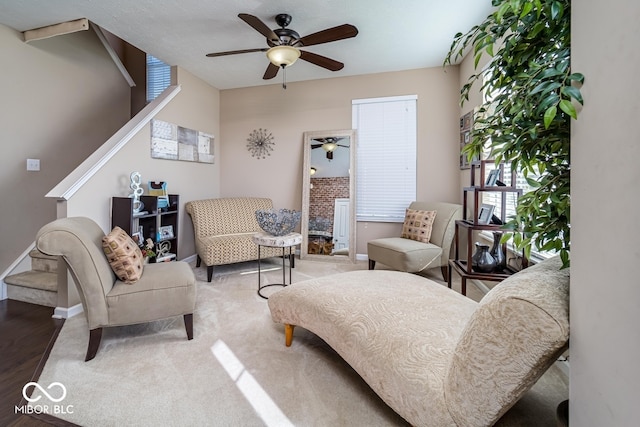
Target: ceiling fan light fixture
pixel 283 56
pixel 329 147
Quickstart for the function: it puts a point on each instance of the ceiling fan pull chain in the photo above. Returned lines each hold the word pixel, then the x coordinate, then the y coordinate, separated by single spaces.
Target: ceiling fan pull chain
pixel 284 77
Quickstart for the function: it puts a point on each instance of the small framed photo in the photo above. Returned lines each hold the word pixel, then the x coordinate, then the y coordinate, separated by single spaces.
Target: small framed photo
pixel 484 215
pixel 137 237
pixel 166 232
pixel 492 178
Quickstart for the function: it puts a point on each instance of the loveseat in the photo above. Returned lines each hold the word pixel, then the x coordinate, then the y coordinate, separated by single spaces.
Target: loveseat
pixel 223 229
pixel 434 356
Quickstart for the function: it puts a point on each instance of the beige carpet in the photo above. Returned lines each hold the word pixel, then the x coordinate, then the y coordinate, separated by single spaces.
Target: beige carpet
pixel 236 371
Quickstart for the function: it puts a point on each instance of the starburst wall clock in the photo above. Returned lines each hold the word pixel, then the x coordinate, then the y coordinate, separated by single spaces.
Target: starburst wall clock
pixel 260 143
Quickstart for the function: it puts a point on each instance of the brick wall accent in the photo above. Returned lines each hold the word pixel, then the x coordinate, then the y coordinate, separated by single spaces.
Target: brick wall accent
pixel 323 195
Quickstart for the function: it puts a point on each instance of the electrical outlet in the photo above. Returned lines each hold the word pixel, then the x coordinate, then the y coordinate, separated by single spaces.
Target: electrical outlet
pixel 33 164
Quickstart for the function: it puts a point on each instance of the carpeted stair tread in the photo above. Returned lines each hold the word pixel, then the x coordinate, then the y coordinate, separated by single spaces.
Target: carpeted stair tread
pixel 34 253
pixel 34 279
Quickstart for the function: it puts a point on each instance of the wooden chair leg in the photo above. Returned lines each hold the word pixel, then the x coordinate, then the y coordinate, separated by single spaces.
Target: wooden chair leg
pixel 198 260
pixel 188 325
pixel 445 272
pixel 372 264
pixel 288 334
pixel 209 273
pixel 95 336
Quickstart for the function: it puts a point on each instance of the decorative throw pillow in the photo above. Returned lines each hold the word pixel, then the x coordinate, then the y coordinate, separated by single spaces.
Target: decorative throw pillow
pixel 124 255
pixel 418 225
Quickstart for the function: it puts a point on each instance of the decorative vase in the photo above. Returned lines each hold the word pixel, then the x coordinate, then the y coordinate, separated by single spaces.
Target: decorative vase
pixel 482 261
pixel 497 253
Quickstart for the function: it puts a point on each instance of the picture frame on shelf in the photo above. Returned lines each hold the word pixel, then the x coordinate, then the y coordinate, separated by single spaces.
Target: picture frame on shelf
pixel 485 213
pixel 492 178
pixel 137 237
pixel 166 232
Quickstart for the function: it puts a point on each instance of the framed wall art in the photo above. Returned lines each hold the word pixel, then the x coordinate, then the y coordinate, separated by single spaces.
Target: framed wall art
pixel 172 142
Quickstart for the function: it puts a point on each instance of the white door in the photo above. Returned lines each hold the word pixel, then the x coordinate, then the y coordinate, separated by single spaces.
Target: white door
pixel 341 224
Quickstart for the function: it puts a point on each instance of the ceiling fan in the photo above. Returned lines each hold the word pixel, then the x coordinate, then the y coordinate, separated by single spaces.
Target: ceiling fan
pixel 284 44
pixel 329 144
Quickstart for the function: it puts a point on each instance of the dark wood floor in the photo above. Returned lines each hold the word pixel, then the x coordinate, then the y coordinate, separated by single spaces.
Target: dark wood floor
pixel 27 332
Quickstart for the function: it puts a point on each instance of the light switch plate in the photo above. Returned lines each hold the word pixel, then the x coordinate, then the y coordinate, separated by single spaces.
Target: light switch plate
pixel 33 164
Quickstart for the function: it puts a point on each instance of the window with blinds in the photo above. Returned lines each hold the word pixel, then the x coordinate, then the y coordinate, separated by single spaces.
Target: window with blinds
pixel 158 77
pixel 385 157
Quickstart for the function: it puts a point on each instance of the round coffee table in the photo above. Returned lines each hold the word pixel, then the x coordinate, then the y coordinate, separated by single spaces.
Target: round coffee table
pixel 287 241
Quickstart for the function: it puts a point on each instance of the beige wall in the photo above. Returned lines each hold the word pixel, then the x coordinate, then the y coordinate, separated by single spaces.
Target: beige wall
pixel 326 105
pixel 196 107
pixel 61 98
pixel 605 148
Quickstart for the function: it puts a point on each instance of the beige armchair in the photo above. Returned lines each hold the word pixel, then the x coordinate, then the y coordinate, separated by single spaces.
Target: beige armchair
pixel 413 256
pixel 165 289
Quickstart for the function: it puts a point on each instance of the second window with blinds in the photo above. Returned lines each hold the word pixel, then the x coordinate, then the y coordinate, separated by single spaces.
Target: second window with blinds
pixel 386 157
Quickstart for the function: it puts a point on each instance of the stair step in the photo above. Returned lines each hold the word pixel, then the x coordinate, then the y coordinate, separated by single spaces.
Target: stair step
pixel 42 262
pixel 42 280
pixel 35 287
pixel 32 295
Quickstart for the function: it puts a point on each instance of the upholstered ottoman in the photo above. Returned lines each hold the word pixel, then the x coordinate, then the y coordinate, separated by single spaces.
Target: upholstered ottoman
pixel 434 356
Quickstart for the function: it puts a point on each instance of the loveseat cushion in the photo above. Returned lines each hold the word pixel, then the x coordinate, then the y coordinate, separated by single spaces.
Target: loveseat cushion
pixel 519 329
pixel 212 217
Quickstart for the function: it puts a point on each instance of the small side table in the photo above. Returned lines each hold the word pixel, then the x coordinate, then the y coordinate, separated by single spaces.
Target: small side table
pixel 287 241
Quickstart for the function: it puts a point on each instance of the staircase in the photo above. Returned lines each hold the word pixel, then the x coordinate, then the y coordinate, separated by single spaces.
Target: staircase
pixel 37 286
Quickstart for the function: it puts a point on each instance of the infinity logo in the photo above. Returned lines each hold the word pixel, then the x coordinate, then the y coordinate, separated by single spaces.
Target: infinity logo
pixel 43 391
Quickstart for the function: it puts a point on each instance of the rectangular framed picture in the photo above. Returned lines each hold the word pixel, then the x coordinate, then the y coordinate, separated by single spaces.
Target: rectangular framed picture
pixel 484 214
pixel 137 237
pixel 165 232
pixel 492 178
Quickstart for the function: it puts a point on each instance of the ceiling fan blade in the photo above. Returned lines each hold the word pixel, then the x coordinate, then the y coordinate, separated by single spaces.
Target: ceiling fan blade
pixel 321 61
pixel 235 52
pixel 259 26
pixel 313 146
pixel 271 72
pixel 340 32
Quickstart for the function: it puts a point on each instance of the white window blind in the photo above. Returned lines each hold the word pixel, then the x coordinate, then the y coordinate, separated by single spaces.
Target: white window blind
pixel 158 77
pixel 386 157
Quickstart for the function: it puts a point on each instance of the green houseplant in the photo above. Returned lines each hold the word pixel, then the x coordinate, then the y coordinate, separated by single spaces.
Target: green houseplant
pixel 527 123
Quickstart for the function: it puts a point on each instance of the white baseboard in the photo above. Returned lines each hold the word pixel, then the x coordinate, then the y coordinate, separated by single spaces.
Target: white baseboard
pixel 362 257
pixel 66 313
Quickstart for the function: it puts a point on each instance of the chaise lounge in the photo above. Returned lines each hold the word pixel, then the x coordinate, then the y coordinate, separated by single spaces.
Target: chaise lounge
pixel 434 356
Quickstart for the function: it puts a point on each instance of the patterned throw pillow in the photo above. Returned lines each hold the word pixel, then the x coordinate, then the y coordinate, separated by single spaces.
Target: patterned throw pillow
pixel 124 255
pixel 418 225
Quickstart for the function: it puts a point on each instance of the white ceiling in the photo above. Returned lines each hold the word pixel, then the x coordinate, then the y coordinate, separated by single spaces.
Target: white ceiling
pixel 393 35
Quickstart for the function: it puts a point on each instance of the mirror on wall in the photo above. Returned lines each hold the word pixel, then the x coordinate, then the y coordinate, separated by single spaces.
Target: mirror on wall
pixel 328 223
